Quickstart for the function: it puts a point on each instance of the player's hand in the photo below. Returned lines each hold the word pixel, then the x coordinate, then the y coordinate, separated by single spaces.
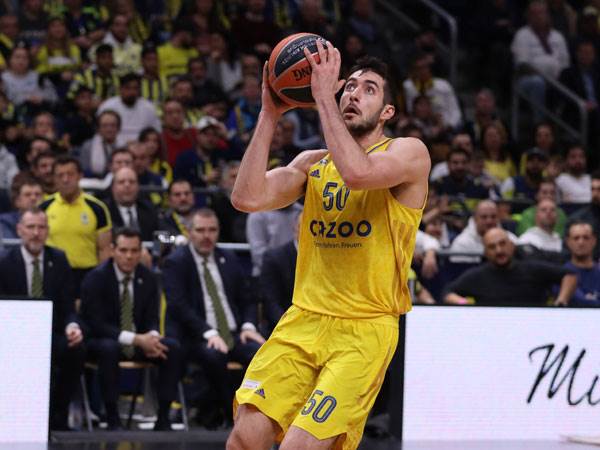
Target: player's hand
pixel 271 104
pixel 324 80
pixel 249 335
pixel 218 344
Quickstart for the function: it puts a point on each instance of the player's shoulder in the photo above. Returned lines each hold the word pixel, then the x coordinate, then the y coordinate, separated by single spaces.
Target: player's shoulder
pixel 409 147
pixel 307 158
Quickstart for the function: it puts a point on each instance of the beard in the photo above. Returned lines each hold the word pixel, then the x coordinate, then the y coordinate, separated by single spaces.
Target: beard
pixel 362 127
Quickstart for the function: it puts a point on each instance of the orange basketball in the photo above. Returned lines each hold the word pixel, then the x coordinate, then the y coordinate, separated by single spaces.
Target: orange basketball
pixel 289 70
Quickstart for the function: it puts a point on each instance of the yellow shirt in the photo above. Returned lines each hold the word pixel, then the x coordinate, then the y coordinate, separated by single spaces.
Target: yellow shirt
pixel 500 170
pixel 174 60
pixel 355 248
pixel 74 227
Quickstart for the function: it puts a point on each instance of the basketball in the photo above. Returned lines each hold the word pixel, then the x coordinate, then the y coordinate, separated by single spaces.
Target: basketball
pixel 289 70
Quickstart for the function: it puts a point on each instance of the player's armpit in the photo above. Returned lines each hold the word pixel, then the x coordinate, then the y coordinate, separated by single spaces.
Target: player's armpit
pixel 406 160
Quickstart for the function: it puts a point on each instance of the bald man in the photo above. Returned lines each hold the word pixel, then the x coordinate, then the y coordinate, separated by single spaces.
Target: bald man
pixel 504 281
pixel 127 208
pixel 485 217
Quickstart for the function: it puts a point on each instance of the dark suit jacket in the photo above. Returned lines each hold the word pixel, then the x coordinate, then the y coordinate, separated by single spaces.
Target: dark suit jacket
pixel 147 218
pixel 57 283
pixel 572 78
pixel 277 280
pixel 185 301
pixel 101 301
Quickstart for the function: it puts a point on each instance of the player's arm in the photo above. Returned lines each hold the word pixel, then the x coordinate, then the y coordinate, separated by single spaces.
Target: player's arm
pixel 405 161
pixel 257 189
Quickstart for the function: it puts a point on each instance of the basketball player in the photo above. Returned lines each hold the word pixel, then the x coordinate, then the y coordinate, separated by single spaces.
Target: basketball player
pixel 314 381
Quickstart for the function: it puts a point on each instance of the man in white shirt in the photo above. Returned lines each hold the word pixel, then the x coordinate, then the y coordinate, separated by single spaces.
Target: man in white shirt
pixel 575 185
pixel 542 236
pixel 136 113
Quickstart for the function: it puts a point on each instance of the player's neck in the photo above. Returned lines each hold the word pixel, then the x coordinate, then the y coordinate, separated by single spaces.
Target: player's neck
pixel 369 139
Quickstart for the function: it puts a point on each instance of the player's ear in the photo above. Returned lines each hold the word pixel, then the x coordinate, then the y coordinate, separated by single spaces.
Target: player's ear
pixel 388 112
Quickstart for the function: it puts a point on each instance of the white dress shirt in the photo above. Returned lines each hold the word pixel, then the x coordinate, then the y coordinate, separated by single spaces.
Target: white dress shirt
pixel 127 337
pixel 209 309
pixel 124 211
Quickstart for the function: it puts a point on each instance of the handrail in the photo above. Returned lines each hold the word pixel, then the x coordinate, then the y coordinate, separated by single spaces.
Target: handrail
pixel 452 50
pixel 582 134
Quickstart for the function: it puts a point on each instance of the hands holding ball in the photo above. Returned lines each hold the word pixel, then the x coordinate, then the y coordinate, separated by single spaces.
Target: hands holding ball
pixel 302 68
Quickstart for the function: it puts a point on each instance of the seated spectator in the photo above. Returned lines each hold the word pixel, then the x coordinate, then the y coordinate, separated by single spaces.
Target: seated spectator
pixel 223 66
pixel 101 78
pixel 150 138
pixel 177 219
pixel 120 331
pixel 254 32
pixel 581 240
pixel 182 90
pixel 542 236
pixel 42 170
pixel 173 56
pixel 23 85
pixel 526 219
pixel 9 33
pixel 154 86
pixel 8 167
pixel 84 23
pixel 460 140
pixel 80 124
pixel 524 187
pixel 426 246
pixel 176 136
pixel 459 184
pixel 136 113
pixel 591 212
pixel 127 208
pixel 209 306
pixel 35 270
pixel 485 217
pixel 120 157
pixel 306 128
pixel 233 221
pixel 485 113
pixel 147 178
pixel 419 295
pixel 270 229
pixel 542 47
pixel 79 223
pixel 26 193
pixel 441 93
pixel 95 154
pixel 428 121
pixel 204 90
pixel 126 52
pixel 497 158
pixel 243 115
pixel 504 281
pixel 32 22
pixel 277 277
pixel 574 185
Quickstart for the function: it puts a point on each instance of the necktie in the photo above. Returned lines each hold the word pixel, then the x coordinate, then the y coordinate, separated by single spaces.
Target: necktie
pixel 127 314
pixel 37 288
pixel 132 223
pixel 222 325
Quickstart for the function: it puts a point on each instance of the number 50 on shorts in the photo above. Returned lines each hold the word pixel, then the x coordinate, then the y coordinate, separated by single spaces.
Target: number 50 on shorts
pixel 320 406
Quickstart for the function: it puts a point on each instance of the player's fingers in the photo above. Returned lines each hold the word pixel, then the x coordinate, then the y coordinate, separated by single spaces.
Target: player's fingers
pixel 310 58
pixel 323 54
pixel 265 74
pixel 340 85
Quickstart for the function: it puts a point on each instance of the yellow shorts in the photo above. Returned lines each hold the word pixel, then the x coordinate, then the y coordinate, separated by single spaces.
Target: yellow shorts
pixel 320 373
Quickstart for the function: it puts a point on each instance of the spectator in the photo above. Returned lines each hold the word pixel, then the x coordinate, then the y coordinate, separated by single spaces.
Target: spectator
pixel 524 187
pixel 23 86
pixel 41 170
pixel 101 78
pixel 177 137
pixel 542 47
pixel 460 140
pixel 485 217
pixel 254 32
pixel 177 219
pixel 574 185
pixel 182 90
pixel 32 22
pixel 126 52
pixel 120 331
pixel 526 219
pixel 542 236
pixel 441 93
pixel 580 241
pixel 84 23
pixel 223 67
pixel 205 90
pixel 277 277
pixel 209 305
pixel 95 153
pixel 147 178
pixel 80 124
pixel 120 157
pixel 79 223
pixel 591 212
pixel 8 167
pixel 306 128
pixel 136 113
pixel 497 160
pixel 459 183
pixel 485 113
pixel 505 281
pixel 150 138
pixel 244 114
pixel 428 121
pixel 9 32
pixel 269 229
pixel 563 18
pixel 232 221
pixel 201 165
pixel 313 19
pixel 26 193
pixel 154 85
pixel 36 270
pixel 363 22
pixel 126 208
pixel 173 56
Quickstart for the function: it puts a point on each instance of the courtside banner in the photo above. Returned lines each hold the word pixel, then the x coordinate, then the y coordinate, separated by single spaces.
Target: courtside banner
pixel 501 373
pixel 25 354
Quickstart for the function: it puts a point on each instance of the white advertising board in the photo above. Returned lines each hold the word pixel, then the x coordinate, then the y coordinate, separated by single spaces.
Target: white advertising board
pixel 501 373
pixel 25 352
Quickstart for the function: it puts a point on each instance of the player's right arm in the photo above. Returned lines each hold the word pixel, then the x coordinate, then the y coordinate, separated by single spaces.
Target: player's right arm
pixel 257 189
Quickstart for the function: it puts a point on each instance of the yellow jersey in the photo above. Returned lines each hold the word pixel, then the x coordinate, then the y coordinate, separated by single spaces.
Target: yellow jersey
pixel 355 248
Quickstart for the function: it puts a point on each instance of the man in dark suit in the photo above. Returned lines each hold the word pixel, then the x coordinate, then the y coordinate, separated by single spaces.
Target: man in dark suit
pixel 277 278
pixel 177 218
pixel 209 305
pixel 127 208
pixel 35 270
pixel 120 301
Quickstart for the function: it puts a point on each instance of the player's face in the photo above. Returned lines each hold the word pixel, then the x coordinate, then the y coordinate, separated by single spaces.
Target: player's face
pixel 362 103
pixel 204 234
